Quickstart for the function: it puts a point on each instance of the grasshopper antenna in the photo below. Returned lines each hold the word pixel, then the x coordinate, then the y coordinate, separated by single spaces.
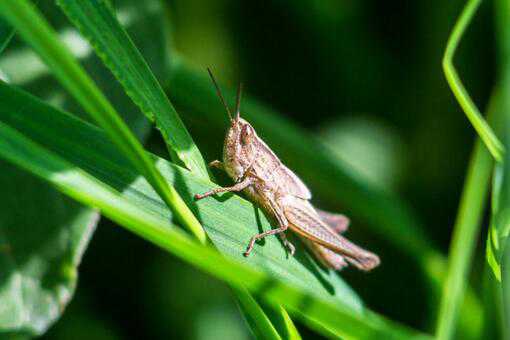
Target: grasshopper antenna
pixel 238 100
pixel 218 91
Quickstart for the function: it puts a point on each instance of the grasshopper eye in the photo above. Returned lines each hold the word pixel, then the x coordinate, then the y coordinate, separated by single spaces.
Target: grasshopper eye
pixel 246 134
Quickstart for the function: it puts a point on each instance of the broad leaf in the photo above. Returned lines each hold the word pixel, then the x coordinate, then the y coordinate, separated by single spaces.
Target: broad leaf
pixel 40 248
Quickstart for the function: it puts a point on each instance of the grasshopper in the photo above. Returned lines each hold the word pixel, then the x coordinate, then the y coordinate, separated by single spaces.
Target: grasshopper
pixel 265 180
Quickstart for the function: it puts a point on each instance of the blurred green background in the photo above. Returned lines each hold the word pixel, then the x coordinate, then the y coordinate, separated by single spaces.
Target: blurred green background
pixel 363 75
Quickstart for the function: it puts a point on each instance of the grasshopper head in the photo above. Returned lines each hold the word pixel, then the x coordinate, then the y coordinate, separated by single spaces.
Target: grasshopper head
pixel 239 148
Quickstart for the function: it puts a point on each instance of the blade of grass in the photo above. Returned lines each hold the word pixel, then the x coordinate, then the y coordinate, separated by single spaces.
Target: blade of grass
pixel 281 321
pixel 464 239
pixel 483 129
pixel 262 329
pixel 95 20
pixel 156 228
pixel 6 34
pixel 36 31
pixel 498 245
pixel 259 321
pixel 500 222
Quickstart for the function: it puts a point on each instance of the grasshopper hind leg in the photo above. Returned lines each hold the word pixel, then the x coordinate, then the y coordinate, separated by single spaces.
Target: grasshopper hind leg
pixel 261 236
pixel 283 226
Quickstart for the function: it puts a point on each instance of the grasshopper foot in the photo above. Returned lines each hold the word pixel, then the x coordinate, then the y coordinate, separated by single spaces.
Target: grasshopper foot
pixel 250 247
pixel 200 196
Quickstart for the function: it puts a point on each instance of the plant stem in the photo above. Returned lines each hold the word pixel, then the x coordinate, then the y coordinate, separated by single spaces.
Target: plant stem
pixel 464 238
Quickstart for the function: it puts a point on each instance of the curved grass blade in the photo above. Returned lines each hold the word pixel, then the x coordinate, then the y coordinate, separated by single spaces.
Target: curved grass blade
pixel 36 31
pixel 464 239
pixel 79 150
pixel 96 22
pixel 483 129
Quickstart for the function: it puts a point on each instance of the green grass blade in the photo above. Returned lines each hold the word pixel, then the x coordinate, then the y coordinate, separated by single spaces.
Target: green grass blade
pixel 6 34
pixel 468 106
pixel 465 236
pixel 498 242
pixel 113 45
pixel 316 296
pixel 259 322
pixel 36 31
pixel 281 321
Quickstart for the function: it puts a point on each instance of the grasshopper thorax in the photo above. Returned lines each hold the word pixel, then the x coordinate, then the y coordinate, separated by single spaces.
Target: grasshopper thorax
pixel 239 148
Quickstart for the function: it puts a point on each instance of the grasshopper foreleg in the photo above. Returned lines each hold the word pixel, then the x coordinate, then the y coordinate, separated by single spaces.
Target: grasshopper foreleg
pixel 236 187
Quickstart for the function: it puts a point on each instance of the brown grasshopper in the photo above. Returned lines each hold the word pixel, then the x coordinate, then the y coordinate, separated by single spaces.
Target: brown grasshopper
pixel 260 174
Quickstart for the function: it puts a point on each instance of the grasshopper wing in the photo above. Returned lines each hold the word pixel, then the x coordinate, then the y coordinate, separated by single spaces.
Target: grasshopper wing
pixel 288 181
pixel 338 222
pixel 292 184
pixel 304 220
pixel 327 257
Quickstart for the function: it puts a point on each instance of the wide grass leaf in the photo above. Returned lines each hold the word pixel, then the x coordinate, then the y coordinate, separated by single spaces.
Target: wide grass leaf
pixel 296 282
pixel 96 21
pixel 40 248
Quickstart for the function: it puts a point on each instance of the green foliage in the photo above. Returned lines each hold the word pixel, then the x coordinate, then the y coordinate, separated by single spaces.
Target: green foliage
pixel 106 168
pixel 103 178
pixel 40 248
